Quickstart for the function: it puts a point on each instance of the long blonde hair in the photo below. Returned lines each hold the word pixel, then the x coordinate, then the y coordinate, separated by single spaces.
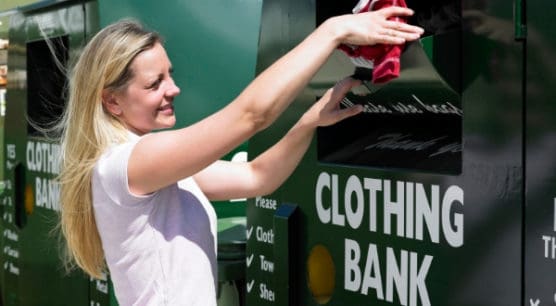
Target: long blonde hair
pixel 88 129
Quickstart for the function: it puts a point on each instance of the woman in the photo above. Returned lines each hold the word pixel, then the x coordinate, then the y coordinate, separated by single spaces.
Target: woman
pixel 137 201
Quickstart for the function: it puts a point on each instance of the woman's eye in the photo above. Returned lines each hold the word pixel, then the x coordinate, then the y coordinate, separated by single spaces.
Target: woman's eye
pixel 155 84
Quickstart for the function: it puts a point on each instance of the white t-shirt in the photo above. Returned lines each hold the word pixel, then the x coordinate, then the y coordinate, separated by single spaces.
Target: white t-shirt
pixel 160 248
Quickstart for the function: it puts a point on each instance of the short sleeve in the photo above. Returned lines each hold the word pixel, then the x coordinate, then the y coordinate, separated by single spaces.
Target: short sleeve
pixel 110 174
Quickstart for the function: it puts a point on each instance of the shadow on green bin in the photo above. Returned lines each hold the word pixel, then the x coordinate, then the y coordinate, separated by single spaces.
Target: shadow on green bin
pixel 231 261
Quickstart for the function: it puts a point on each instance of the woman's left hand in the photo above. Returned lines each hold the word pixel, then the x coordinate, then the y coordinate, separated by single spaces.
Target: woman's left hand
pixel 326 111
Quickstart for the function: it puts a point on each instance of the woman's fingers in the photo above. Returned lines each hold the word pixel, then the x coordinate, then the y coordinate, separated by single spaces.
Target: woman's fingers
pixel 339 91
pixel 396 37
pixel 402 27
pixel 391 31
pixel 348 112
pixel 327 110
pixel 343 87
pixel 393 11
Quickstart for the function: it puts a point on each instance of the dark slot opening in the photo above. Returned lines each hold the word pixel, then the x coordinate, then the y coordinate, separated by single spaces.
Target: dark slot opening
pixel 435 16
pixel 46 79
pixel 413 122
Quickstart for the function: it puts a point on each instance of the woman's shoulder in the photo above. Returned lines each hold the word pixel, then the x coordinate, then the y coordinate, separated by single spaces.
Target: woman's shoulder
pixel 119 149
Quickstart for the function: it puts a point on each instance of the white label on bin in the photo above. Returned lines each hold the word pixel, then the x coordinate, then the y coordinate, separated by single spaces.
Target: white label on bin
pixel 266 203
pixel 11 235
pixel 7 217
pixel 47 193
pixel 550 241
pixel 411 209
pixel 11 252
pixel 10 148
pixel 415 106
pixel 549 247
pixel 250 285
pixel 265 293
pixel 43 157
pixel 11 268
pixel 408 210
pixel 266 236
pixel 101 286
pixel 405 274
pixel 266 265
pixel 249 260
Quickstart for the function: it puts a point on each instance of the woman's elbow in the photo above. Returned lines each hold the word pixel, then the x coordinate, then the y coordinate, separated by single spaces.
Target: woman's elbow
pixel 257 120
pixel 264 182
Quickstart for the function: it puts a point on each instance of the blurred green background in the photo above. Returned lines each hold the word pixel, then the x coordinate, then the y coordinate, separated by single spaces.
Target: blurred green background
pixel 9 4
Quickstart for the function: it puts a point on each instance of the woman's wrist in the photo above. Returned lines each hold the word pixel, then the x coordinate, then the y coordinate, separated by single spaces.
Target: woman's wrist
pixel 308 121
pixel 334 29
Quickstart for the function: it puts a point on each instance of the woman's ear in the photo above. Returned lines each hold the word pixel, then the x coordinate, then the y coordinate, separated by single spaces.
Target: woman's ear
pixel 110 103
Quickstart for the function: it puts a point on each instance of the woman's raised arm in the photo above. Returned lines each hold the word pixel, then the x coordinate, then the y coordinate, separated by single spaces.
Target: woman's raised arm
pixel 163 158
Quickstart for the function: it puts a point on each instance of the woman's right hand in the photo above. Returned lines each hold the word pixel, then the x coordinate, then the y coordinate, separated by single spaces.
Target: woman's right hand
pixel 373 27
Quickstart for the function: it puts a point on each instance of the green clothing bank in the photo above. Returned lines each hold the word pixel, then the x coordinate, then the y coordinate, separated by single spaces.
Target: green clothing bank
pixel 443 192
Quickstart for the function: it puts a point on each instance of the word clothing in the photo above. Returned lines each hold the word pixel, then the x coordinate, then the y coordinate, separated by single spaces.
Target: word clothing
pixel 160 248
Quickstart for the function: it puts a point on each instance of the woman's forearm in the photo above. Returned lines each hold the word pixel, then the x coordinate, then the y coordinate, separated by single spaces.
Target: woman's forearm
pixel 259 104
pixel 276 164
pixel 274 89
pixel 273 167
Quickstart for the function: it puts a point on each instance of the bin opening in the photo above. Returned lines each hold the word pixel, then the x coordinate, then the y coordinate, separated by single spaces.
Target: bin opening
pixel 435 16
pixel 413 122
pixel 46 79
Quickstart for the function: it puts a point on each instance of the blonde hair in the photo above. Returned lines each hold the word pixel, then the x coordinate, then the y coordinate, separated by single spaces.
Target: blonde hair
pixel 87 129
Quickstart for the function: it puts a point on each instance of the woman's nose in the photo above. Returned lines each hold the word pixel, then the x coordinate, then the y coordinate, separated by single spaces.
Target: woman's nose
pixel 173 89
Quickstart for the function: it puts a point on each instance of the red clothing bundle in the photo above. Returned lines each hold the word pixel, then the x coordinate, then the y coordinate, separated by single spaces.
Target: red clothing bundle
pixel 383 59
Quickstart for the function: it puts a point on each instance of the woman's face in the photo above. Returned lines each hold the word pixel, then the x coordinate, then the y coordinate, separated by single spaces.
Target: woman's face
pixel 147 102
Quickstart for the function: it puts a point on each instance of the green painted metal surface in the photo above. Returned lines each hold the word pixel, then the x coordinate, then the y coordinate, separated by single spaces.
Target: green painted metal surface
pixel 477 229
pixel 540 212
pixel 401 234
pixel 31 268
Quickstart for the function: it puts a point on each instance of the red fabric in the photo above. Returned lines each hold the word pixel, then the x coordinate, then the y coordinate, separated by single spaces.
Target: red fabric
pixel 386 58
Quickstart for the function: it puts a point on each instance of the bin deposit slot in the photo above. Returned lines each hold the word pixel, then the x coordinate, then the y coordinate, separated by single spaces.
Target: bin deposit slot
pixel 414 121
pixel 435 16
pixel 20 196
